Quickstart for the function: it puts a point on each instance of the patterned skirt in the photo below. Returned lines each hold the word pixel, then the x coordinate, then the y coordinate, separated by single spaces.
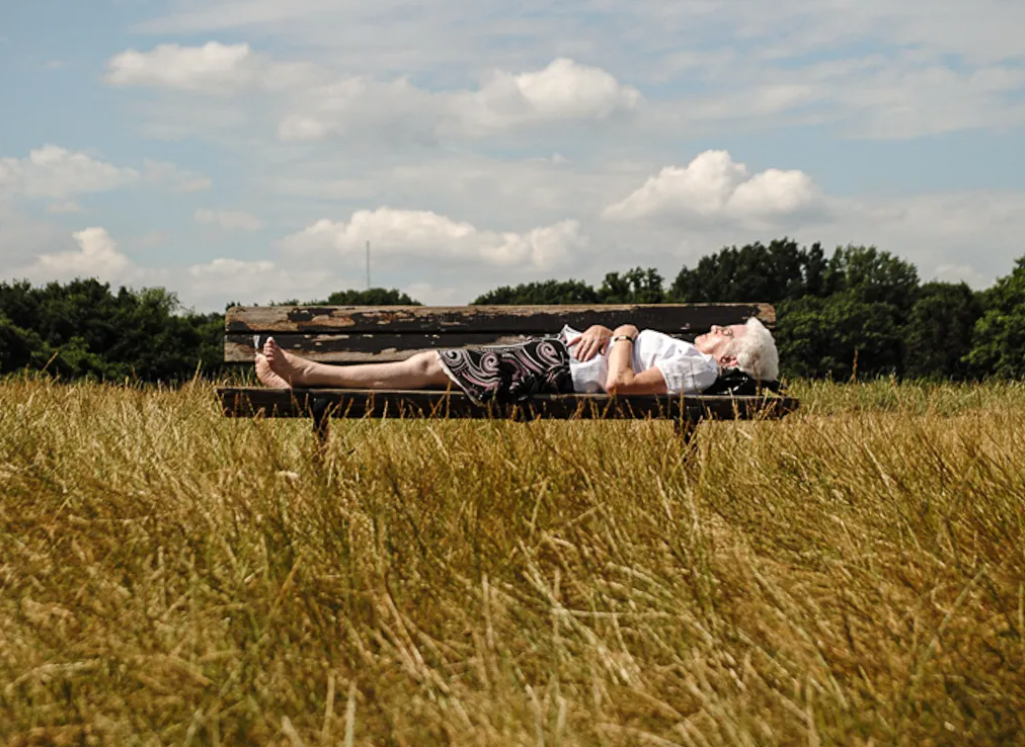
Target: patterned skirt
pixel 510 373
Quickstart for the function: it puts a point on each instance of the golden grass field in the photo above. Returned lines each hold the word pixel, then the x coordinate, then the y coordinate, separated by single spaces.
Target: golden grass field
pixel 853 574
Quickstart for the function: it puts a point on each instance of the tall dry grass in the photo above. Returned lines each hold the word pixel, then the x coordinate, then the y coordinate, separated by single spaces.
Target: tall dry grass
pixel 854 574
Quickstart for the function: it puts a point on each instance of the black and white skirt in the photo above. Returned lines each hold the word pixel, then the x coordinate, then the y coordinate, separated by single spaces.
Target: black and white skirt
pixel 510 373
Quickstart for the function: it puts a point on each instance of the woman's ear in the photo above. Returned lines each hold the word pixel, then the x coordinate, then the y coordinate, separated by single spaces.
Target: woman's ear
pixel 728 361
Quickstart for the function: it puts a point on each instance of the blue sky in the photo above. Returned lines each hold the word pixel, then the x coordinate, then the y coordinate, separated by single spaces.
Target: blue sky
pixel 248 150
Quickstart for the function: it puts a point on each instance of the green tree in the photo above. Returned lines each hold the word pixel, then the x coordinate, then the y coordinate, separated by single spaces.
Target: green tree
pixel 999 337
pixel 539 293
pixel 74 323
pixel 819 337
pixel 19 303
pixel 755 272
pixel 368 297
pixel 938 331
pixel 636 286
pixel 20 348
pixel 856 311
pixel 813 270
pixel 209 329
pixel 872 276
pixel 83 329
pixel 155 342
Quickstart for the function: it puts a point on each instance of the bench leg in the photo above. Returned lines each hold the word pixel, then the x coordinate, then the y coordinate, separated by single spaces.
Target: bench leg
pixel 320 409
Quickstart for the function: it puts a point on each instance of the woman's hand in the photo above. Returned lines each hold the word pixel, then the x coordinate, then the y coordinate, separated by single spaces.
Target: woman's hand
pixel 591 342
pixel 626 329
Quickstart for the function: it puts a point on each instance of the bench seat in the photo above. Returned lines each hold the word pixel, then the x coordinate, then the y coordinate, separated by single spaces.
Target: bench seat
pixel 363 403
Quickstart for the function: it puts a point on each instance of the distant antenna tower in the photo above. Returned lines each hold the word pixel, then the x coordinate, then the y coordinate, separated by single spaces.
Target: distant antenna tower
pixel 368 265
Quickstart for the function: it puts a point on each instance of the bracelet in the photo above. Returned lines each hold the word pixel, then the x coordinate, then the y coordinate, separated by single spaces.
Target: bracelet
pixel 617 338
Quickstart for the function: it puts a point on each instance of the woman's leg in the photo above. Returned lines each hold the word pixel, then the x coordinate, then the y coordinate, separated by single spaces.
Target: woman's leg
pixel 281 370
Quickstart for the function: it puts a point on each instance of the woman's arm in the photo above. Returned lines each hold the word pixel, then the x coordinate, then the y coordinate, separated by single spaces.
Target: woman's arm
pixel 621 378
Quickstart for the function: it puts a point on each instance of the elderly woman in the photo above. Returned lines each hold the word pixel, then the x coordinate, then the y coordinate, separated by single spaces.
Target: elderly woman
pixel 620 361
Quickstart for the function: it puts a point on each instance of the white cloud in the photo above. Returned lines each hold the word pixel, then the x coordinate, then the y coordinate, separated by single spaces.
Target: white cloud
pixel 984 30
pixel 229 220
pixel 479 85
pixel 211 68
pixel 431 295
pixel 954 236
pixel 568 89
pixel 905 101
pixel 498 188
pixel 386 35
pixel 213 284
pixel 960 273
pixel 97 256
pixel 65 208
pixel 564 90
pixel 230 14
pixel 713 187
pixel 964 236
pixel 360 106
pixel 930 230
pixel 318 103
pixel 232 267
pixel 747 63
pixel 895 96
pixel 298 128
pixel 169 177
pixel 23 238
pixel 420 234
pixel 57 173
pixel 957 216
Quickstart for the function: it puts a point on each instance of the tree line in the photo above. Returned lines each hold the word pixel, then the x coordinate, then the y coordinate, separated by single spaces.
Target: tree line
pixel 859 311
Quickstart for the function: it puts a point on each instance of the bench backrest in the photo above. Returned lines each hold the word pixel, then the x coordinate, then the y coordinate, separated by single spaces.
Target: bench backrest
pixel 376 334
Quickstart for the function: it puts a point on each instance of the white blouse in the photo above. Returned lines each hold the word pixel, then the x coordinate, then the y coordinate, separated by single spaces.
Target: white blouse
pixel 685 368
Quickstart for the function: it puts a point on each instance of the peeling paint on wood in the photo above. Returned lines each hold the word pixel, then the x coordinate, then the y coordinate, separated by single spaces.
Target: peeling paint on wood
pixel 528 320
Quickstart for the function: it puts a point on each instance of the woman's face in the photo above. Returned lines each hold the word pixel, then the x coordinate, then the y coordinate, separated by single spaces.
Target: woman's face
pixel 717 341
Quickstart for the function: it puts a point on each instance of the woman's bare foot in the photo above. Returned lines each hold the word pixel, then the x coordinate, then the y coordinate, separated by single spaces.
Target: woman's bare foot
pixel 291 369
pixel 267 376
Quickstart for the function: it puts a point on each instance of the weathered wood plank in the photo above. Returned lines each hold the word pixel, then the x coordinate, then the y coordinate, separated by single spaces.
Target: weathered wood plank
pixel 356 403
pixel 380 348
pixel 529 320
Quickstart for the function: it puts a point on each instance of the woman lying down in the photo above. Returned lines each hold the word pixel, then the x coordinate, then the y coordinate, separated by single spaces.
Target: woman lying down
pixel 620 361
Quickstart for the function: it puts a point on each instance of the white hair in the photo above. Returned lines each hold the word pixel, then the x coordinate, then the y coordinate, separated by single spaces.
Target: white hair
pixel 756 352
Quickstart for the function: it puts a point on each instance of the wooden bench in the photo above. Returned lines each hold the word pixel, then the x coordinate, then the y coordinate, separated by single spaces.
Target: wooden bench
pixel 346 335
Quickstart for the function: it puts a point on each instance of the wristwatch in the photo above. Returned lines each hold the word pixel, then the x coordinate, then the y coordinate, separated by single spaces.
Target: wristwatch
pixel 617 338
